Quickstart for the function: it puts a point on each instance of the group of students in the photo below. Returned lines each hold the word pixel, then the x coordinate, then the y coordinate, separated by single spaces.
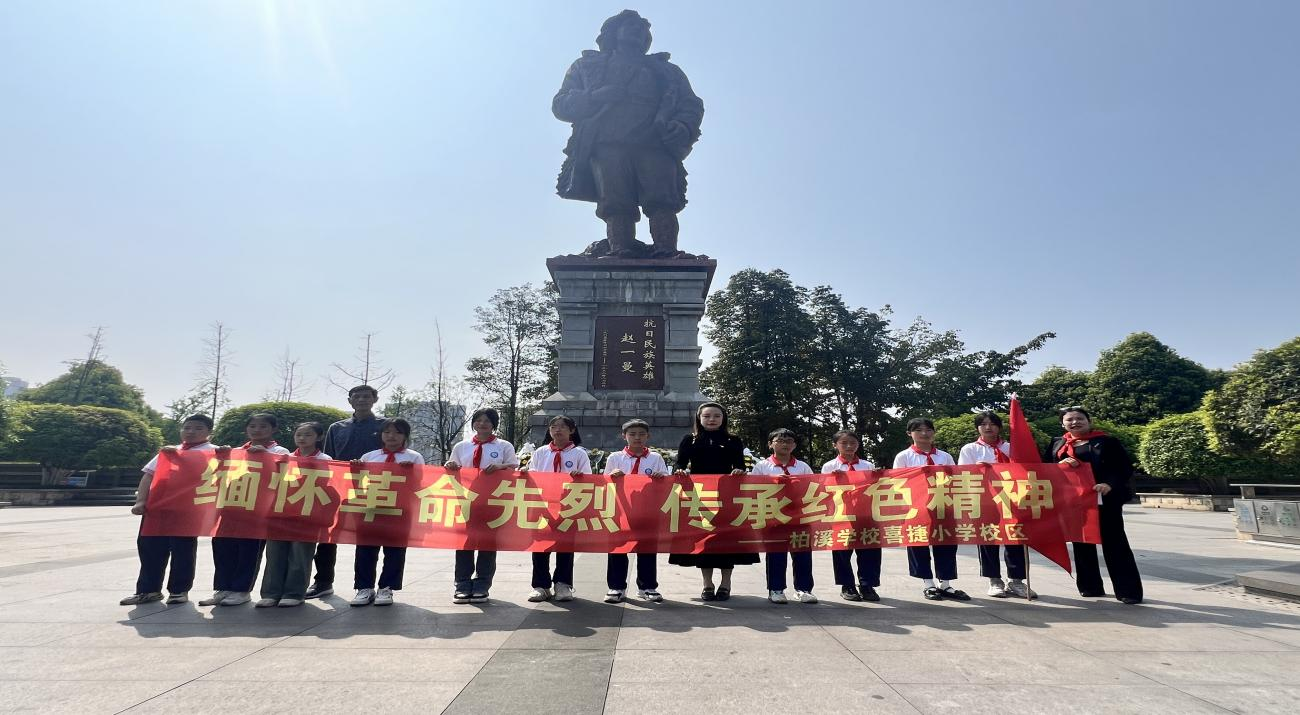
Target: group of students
pixel 709 449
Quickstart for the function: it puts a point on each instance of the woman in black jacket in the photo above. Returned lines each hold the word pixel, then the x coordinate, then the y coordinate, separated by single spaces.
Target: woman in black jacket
pixel 1113 469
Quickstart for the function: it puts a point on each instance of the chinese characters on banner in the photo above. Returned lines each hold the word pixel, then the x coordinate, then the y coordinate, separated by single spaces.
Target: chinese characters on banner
pixel 629 353
pixel 257 495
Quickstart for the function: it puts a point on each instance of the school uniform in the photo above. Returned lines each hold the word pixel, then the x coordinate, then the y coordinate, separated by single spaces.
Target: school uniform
pixel 548 459
pixel 156 551
pixel 288 563
pixel 842 560
pixel 647 575
pixel 776 560
pixel 1111 464
pixel 1000 453
pixel 474 575
pixel 237 560
pixel 367 557
pixel 347 440
pixel 918 557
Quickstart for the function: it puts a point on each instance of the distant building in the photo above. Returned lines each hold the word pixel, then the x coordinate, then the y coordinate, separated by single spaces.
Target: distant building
pixel 13 385
pixel 425 427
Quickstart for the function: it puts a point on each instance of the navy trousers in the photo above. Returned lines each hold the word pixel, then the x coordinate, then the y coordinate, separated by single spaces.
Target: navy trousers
pixel 803 574
pixel 474 575
pixel 868 567
pixel 237 562
pixel 367 559
pixel 647 573
pixel 945 562
pixel 1015 558
pixel 542 576
pixel 155 551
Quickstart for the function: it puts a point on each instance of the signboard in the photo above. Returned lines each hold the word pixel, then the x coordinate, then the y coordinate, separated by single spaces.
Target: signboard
pixel 629 353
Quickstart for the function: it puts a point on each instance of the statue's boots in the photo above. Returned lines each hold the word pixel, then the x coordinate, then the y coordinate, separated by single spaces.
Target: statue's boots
pixel 663 231
pixel 621 232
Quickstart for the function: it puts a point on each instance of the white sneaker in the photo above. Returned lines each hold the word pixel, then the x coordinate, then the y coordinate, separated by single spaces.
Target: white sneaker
pixel 290 602
pixel 384 597
pixel 175 598
pixel 1020 590
pixel 776 597
pixel 215 599
pixel 997 589
pixel 267 603
pixel 539 594
pixel 805 597
pixel 237 598
pixel 614 595
pixel 364 597
pixel 651 595
pixel 563 592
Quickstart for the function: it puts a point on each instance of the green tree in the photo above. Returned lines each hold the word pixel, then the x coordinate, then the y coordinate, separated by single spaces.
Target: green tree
pixel 520 327
pixel 1055 387
pixel 1178 447
pixel 64 439
pixel 92 383
pixel 1142 379
pixel 230 429
pixel 763 371
pixel 1257 410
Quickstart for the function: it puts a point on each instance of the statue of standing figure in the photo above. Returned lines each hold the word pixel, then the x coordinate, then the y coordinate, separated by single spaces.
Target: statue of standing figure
pixel 635 119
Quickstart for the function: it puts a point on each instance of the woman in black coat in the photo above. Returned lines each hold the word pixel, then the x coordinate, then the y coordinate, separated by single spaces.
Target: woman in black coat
pixel 711 449
pixel 1113 469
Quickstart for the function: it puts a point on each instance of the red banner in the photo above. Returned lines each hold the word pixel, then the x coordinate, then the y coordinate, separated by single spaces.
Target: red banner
pixel 263 496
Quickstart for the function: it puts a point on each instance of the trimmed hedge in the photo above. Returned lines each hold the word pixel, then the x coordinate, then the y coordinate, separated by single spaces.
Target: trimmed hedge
pixel 230 430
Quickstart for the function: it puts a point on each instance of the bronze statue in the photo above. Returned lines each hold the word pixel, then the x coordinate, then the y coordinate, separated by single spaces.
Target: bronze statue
pixel 634 120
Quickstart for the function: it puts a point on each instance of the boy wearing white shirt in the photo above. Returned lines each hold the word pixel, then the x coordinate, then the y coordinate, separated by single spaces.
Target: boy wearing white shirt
pixel 395 434
pixel 864 588
pixel 487 453
pixel 990 448
pixel 155 551
pixel 783 464
pixel 635 460
pixel 560 453
pixel 923 453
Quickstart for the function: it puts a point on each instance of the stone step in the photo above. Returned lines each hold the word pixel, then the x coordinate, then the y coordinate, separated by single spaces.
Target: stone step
pixel 1279 583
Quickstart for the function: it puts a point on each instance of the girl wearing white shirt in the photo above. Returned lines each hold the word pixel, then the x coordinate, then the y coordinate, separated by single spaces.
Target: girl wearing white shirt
pixel 395 435
pixel 990 448
pixel 783 464
pixel 635 460
pixel 487 453
pixel 237 560
pixel 560 453
pixel 288 563
pixel 864 588
pixel 923 453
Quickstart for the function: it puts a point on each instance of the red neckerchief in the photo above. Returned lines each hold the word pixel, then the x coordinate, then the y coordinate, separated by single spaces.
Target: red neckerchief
pixel 391 457
pixel 997 451
pixel 555 467
pixel 269 445
pixel 190 445
pixel 848 466
pixel 298 453
pixel 478 448
pixel 1068 447
pixel 636 466
pixel 929 456
pixel 784 467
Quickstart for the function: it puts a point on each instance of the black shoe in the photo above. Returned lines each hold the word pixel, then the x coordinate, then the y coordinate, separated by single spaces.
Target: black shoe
pixel 723 593
pixel 954 594
pixel 318 590
pixel 1130 601
pixel 460 597
pixel 707 594
pixel 869 594
pixel 849 593
pixel 1092 594
pixel 932 593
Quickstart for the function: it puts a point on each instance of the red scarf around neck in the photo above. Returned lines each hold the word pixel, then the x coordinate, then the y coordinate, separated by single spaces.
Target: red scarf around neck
pixel 848 466
pixel 478 449
pixel 1069 439
pixel 555 466
pixel 997 450
pixel 391 457
pixel 268 445
pixel 929 456
pixel 636 466
pixel 785 468
pixel 298 453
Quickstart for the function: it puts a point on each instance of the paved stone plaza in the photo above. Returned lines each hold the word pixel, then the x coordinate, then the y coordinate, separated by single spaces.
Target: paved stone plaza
pixel 1194 647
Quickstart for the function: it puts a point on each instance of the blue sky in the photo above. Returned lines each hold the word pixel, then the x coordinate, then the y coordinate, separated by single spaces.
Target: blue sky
pixel 307 172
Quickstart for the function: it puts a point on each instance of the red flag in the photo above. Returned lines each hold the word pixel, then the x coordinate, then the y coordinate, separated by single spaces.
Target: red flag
pixel 1023 448
pixel 1025 451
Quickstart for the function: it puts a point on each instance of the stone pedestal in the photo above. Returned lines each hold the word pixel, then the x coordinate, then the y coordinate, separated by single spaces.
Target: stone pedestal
pixel 671 291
